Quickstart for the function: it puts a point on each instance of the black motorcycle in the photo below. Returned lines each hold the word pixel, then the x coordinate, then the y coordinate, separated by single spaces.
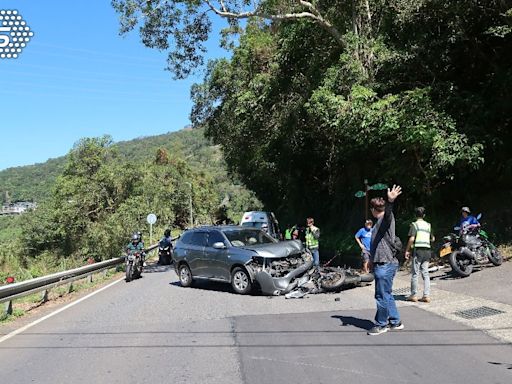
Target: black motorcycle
pixel 164 254
pixel 468 248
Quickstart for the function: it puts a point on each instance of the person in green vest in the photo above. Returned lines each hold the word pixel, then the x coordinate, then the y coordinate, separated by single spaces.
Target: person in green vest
pixel 288 233
pixel 312 243
pixel 420 237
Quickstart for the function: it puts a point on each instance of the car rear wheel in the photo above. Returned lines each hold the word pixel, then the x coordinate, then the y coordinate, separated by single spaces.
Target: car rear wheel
pixel 241 281
pixel 185 275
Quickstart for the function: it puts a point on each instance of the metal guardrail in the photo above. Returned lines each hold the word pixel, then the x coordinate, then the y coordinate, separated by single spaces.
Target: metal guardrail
pixel 10 292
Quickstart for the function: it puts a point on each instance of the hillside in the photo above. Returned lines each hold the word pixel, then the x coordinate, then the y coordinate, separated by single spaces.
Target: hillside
pixel 34 182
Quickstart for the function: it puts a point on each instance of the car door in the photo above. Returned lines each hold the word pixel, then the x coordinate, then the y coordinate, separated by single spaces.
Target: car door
pixel 218 259
pixel 195 253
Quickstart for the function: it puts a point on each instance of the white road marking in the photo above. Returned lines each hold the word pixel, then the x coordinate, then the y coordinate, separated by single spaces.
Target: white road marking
pixel 24 328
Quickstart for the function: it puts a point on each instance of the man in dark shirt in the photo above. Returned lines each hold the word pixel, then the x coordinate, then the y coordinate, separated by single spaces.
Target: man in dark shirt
pixel 385 263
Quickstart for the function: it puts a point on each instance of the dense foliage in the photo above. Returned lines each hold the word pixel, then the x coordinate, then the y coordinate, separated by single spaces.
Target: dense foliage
pixel 319 95
pixel 417 94
pixel 105 193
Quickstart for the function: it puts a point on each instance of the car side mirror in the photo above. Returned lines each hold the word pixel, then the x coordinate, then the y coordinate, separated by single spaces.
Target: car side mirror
pixel 219 245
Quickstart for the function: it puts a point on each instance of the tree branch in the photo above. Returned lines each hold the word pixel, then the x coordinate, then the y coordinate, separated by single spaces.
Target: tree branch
pixel 313 15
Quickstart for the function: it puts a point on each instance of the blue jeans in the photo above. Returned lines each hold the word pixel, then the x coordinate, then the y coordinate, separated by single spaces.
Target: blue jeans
pixel 316 256
pixel 386 307
pixel 420 265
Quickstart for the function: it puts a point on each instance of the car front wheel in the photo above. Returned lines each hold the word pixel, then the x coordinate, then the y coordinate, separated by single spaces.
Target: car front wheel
pixel 241 281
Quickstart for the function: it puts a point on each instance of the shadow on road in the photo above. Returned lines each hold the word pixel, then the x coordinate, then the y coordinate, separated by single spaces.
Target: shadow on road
pixel 208 286
pixel 507 365
pixel 355 321
pixel 449 275
pixel 157 268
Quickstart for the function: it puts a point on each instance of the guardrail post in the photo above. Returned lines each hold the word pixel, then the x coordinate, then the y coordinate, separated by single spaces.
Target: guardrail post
pixel 70 289
pixel 44 296
pixel 90 278
pixel 8 308
pixel 105 272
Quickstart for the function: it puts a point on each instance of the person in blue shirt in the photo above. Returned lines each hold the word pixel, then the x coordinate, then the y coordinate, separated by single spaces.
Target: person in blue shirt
pixel 364 239
pixel 467 219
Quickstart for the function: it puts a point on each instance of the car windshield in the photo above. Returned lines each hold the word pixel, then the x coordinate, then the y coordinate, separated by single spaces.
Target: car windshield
pixel 244 237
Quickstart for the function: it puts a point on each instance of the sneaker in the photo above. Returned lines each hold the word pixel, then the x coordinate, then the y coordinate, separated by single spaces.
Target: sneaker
pixel 377 330
pixel 425 299
pixel 412 298
pixel 393 327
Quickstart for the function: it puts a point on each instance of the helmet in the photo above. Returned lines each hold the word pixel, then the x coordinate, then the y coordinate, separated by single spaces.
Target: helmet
pixel 135 237
pixel 466 209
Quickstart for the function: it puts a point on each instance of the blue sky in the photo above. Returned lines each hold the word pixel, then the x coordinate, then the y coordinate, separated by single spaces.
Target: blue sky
pixel 78 78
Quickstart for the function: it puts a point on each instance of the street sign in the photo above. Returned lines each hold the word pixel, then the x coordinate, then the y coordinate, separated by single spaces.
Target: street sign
pixel 378 187
pixel 360 194
pixel 151 218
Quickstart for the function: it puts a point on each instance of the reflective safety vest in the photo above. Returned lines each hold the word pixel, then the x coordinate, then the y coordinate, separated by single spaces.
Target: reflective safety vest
pixel 423 234
pixel 311 240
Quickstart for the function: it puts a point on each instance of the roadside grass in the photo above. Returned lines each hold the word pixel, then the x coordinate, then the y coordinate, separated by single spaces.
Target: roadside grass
pixel 506 251
pixel 26 304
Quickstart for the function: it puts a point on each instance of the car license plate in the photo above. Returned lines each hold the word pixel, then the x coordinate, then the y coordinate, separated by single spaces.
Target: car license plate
pixel 445 251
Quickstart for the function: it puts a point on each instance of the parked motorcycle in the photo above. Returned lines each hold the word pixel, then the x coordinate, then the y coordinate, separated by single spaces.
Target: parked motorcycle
pixel 133 265
pixel 470 247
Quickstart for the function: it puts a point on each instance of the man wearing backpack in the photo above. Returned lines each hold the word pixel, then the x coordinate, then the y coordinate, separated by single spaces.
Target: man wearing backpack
pixel 420 236
pixel 383 251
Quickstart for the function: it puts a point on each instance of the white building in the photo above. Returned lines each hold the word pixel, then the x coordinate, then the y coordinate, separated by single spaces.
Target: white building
pixel 17 208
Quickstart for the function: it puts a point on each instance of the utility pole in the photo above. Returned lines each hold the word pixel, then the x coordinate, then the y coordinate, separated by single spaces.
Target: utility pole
pixel 190 204
pixel 366 189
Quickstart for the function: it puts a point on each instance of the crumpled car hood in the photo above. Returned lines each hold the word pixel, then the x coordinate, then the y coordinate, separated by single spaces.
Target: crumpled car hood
pixel 277 250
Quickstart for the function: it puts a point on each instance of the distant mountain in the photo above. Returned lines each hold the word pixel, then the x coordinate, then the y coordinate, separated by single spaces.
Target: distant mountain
pixel 30 182
pixel 34 182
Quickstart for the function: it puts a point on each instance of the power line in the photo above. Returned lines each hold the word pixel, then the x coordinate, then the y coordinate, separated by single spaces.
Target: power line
pixel 156 61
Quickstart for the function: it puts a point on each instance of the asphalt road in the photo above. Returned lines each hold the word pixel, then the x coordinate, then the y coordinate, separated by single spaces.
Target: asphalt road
pixel 153 331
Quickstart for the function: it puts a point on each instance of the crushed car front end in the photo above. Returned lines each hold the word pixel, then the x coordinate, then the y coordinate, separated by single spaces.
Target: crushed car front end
pixel 278 267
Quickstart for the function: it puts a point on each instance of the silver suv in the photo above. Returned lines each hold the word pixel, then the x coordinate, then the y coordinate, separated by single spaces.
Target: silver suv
pixel 240 256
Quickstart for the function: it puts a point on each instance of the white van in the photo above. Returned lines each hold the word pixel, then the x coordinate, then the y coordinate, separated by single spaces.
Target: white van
pixel 262 220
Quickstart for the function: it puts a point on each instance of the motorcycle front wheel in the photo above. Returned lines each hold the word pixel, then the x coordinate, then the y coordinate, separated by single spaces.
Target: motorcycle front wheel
pixel 333 280
pixel 495 256
pixel 460 264
pixel 129 272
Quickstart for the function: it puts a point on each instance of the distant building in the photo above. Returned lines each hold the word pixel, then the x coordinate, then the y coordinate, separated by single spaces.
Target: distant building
pixel 17 208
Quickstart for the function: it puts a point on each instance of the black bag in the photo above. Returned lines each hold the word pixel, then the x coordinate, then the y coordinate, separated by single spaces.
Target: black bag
pixel 397 246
